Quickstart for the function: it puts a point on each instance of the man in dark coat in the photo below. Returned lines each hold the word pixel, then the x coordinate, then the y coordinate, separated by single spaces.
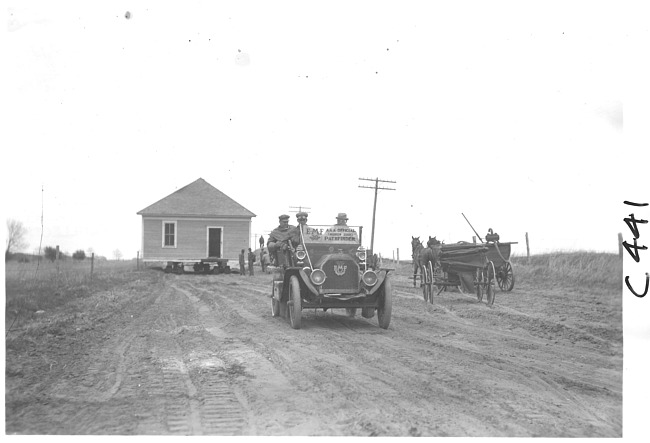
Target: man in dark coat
pixel 242 262
pixel 251 260
pixel 279 240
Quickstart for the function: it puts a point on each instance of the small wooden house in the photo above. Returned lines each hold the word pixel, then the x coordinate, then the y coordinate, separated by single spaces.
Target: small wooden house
pixel 195 223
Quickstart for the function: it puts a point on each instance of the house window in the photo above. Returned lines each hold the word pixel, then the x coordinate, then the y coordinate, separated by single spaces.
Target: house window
pixel 169 234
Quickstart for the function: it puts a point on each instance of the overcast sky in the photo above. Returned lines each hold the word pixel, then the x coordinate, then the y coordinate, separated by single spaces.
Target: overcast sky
pixel 509 113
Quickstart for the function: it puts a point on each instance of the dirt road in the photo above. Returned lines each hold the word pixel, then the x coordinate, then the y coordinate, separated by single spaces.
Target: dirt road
pixel 202 355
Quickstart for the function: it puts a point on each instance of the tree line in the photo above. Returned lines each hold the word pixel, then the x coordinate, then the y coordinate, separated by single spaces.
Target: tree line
pixel 16 241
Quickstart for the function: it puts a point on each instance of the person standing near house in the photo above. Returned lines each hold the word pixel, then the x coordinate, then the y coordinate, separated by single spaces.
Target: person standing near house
pixel 242 262
pixel 261 244
pixel 251 260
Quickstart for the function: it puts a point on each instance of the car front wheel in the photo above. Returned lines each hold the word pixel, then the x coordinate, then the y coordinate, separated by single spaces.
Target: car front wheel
pixel 295 307
pixel 385 308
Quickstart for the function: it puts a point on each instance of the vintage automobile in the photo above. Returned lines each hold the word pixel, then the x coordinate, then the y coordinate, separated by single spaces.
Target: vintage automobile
pixel 329 268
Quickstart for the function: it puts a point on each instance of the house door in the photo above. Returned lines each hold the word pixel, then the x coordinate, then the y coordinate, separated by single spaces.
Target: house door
pixel 214 242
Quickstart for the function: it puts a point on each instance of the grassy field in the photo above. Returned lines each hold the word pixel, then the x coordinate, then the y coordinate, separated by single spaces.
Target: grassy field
pixel 31 287
pixel 584 269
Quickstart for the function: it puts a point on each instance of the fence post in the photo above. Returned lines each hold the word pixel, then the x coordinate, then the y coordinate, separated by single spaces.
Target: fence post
pixel 620 245
pixel 527 249
pixel 398 256
pixel 56 258
pixel 137 261
pixel 92 265
pixel 474 239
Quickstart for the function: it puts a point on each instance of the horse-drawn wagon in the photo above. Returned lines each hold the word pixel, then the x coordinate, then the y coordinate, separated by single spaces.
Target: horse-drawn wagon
pixel 474 267
pixel 326 267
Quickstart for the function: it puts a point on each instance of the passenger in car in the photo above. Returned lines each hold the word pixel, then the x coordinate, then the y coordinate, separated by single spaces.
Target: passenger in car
pixel 302 219
pixel 340 230
pixel 342 219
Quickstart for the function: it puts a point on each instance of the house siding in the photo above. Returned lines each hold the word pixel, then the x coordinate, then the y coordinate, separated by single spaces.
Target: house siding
pixel 192 239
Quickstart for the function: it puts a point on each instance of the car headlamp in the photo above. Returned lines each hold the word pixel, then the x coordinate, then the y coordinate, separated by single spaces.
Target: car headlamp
pixel 317 276
pixel 369 278
pixel 361 253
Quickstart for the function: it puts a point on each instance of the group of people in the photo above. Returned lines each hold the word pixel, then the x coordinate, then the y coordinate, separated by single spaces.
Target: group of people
pixel 265 260
pixel 281 239
pixel 287 236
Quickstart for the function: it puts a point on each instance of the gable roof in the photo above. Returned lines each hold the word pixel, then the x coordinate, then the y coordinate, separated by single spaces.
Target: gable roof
pixel 199 199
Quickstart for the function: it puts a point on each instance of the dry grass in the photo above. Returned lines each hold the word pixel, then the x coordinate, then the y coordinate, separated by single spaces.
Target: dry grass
pixel 31 287
pixel 585 269
pixel 29 290
pixel 569 269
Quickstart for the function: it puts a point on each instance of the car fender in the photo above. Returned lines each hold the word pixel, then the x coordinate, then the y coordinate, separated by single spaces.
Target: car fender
pixel 381 276
pixel 305 282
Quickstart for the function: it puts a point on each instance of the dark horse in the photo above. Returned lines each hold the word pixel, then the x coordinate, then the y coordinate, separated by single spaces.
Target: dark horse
pixel 425 259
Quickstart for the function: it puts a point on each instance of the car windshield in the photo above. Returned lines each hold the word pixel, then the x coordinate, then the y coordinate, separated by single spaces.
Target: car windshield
pixel 329 234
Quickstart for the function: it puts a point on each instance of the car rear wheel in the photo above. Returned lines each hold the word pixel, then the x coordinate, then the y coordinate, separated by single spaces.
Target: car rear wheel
pixel 275 307
pixel 295 303
pixel 385 308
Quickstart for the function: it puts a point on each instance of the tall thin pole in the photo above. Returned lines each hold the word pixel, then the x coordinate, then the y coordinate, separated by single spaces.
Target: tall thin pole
pixel 374 212
pixel 374 207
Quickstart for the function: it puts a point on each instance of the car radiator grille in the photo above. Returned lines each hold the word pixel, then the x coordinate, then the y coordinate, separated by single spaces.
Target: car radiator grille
pixel 342 276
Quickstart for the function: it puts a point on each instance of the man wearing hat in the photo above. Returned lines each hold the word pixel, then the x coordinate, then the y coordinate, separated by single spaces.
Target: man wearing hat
pixel 341 228
pixel 279 239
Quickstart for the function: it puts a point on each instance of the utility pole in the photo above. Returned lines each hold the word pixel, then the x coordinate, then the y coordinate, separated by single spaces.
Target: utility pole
pixel 374 207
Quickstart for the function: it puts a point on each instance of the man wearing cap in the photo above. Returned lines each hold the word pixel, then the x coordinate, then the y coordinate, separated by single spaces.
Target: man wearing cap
pixel 279 239
pixel 342 219
pixel 301 217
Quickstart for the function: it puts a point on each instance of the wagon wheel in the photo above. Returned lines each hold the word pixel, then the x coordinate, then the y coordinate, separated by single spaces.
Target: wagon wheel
pixel 385 307
pixel 424 278
pixel 490 284
pixel 506 277
pixel 295 303
pixel 478 283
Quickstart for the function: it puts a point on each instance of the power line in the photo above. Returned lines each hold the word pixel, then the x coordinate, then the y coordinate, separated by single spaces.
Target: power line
pixel 300 209
pixel 374 207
